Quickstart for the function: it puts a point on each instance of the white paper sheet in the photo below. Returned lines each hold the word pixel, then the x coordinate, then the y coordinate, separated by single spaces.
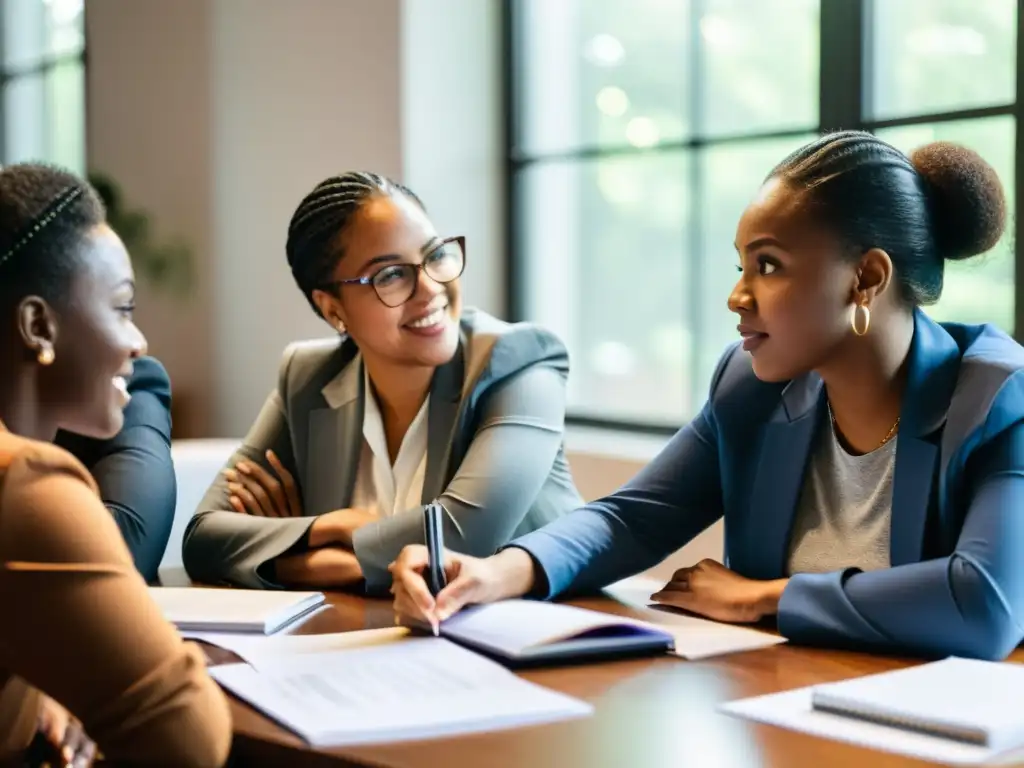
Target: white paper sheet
pixel 792 710
pixel 263 652
pixel 695 638
pixel 414 689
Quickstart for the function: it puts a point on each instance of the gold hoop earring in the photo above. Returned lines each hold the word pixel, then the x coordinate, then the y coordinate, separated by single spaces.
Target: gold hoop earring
pixel 867 320
pixel 46 356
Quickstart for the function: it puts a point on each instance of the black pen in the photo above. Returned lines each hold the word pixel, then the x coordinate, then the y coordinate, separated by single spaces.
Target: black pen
pixel 434 537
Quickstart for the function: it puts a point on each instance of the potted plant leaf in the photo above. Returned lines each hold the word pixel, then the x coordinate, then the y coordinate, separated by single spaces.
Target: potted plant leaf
pixel 167 265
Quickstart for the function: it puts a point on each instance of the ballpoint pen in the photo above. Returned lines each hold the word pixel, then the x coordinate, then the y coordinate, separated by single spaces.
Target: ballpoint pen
pixel 434 538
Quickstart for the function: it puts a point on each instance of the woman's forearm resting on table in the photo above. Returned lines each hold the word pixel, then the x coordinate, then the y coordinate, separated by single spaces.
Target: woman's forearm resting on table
pixel 323 568
pixel 222 546
pixel 337 527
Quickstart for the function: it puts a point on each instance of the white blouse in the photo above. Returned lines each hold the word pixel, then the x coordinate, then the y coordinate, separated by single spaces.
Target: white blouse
pixel 381 487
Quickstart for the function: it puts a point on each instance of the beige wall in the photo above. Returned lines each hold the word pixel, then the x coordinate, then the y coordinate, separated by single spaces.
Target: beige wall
pixel 149 117
pixel 303 90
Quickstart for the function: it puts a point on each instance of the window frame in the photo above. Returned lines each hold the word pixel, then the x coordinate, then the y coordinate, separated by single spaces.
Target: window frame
pixel 43 67
pixel 844 101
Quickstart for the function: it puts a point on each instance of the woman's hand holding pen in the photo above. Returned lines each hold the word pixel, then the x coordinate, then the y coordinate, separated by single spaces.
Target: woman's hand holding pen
pixel 470 580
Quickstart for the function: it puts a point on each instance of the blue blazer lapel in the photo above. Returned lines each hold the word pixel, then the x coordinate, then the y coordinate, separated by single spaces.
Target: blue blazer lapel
pixel 442 417
pixel 934 365
pixel 785 447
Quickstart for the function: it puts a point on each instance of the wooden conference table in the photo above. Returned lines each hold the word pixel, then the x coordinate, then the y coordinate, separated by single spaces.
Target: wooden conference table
pixel 649 712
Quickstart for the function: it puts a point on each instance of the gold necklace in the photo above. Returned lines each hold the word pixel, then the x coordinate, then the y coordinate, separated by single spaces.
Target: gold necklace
pixel 888 436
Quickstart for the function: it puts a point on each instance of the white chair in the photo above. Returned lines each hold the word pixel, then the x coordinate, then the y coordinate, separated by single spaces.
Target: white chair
pixel 196 464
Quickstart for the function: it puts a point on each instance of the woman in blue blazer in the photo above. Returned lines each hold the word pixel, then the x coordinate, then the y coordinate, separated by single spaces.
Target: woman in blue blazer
pixel 868 462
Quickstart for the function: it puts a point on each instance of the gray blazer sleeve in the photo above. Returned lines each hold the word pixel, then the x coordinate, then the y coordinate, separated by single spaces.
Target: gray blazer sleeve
pixel 510 458
pixel 221 545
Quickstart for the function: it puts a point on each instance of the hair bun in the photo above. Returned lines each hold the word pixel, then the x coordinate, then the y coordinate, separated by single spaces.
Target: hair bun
pixel 967 198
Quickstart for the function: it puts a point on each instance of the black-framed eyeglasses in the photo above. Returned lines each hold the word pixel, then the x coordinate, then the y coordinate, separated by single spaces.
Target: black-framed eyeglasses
pixel 396 284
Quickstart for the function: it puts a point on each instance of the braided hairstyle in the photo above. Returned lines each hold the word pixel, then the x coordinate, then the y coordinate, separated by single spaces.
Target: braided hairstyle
pixel 45 214
pixel 942 202
pixel 321 219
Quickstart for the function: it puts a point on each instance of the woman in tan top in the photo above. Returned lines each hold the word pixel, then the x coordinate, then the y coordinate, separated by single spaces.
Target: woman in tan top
pixel 79 631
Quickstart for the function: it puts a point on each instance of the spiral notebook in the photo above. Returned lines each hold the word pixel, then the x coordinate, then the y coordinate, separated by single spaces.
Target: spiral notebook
pixel 965 700
pixel 954 712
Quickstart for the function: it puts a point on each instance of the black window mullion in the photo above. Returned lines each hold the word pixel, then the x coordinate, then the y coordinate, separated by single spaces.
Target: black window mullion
pixel 842 86
pixel 3 94
pixel 972 113
pixel 693 240
pixel 675 145
pixel 515 289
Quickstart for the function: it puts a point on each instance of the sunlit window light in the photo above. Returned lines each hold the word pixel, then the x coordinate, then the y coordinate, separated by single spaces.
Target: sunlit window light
pixel 642 132
pixel 612 101
pixel 604 50
pixel 946 40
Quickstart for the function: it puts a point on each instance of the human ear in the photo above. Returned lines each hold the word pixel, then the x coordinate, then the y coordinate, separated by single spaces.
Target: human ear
pixel 330 309
pixel 874 276
pixel 37 327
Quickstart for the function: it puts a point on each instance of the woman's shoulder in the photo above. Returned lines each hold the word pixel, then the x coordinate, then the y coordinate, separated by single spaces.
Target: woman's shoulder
pixel 986 347
pixel 310 364
pixel 989 387
pixel 50 510
pixel 496 349
pixel 23 460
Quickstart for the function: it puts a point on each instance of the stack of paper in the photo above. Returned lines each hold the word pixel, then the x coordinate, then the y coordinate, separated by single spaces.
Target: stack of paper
pixel 264 652
pixel 233 610
pixel 418 688
pixel 958 711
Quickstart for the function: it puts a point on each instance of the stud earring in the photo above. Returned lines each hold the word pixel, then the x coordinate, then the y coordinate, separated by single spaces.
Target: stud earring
pixel 46 356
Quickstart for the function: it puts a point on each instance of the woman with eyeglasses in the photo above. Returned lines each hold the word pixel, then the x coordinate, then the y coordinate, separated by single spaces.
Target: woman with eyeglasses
pixel 418 401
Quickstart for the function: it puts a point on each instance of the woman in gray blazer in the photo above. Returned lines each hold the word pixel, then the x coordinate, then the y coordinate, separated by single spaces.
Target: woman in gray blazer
pixel 417 401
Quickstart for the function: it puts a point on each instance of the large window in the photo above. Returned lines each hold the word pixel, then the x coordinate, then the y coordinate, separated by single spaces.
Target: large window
pixel 42 82
pixel 640 129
